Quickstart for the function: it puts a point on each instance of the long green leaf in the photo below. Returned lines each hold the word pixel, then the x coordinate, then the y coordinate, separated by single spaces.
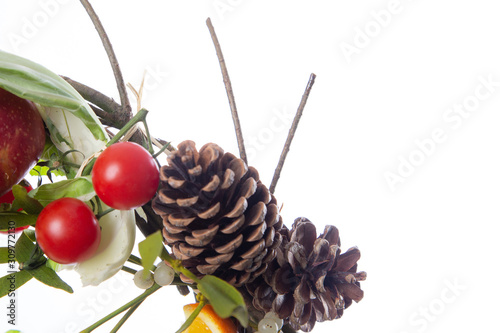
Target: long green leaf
pixel 32 81
pixel 224 298
pixel 11 282
pixel 47 276
pixel 19 219
pixel 80 188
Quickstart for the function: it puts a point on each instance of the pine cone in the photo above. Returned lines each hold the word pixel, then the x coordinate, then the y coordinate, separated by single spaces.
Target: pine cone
pixel 309 280
pixel 218 217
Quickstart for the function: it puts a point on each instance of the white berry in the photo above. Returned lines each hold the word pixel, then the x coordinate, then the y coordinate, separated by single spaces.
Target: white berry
pixel 164 275
pixel 268 325
pixel 275 317
pixel 141 282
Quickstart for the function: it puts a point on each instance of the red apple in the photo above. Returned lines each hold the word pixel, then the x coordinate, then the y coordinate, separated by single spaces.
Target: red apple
pixel 22 138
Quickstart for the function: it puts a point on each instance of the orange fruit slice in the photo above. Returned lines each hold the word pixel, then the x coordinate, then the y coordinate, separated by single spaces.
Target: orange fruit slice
pixel 208 321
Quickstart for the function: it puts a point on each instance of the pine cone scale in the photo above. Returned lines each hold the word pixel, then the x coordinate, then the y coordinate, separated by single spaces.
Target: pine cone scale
pixel 220 259
pixel 234 225
pixel 240 206
pixel 283 305
pixel 348 259
pixel 210 212
pixel 255 250
pixel 302 293
pixel 231 246
pixel 351 291
pixel 212 186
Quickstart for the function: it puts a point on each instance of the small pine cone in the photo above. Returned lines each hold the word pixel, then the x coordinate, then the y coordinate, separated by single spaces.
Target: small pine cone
pixel 310 280
pixel 218 217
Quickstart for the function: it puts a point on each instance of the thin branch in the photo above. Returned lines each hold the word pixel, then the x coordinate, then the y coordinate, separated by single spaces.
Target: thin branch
pixel 229 90
pixel 104 107
pixel 123 308
pixel 128 270
pixel 95 97
pixel 104 116
pixel 125 317
pixel 291 132
pixel 126 108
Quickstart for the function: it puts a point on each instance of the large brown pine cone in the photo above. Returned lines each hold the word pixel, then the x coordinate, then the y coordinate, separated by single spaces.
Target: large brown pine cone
pixel 310 280
pixel 218 217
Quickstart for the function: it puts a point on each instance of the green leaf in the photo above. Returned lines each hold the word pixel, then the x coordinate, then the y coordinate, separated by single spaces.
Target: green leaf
pixel 80 188
pixel 18 279
pixel 150 249
pixel 32 81
pixel 45 170
pixel 49 150
pixel 30 234
pixel 19 219
pixel 4 254
pixel 24 248
pixel 224 298
pixel 47 276
pixel 24 201
pixel 49 161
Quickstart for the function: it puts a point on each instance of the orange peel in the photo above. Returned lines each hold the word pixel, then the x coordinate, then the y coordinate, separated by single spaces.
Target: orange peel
pixel 208 321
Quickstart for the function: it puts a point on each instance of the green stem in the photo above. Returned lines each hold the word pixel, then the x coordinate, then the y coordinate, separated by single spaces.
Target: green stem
pixel 129 270
pixel 192 316
pixel 140 116
pixel 177 266
pixel 113 314
pixel 71 165
pixel 165 147
pixel 150 144
pixel 125 317
pixel 107 211
pixel 135 260
pixel 88 168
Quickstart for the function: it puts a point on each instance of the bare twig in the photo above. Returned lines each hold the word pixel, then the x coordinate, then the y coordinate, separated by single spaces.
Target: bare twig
pixel 105 107
pixel 105 117
pixel 126 108
pixel 291 133
pixel 95 97
pixel 229 90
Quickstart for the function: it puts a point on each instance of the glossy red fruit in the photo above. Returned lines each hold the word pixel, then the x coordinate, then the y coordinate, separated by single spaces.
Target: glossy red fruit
pixel 125 176
pixel 22 138
pixel 68 231
pixel 9 198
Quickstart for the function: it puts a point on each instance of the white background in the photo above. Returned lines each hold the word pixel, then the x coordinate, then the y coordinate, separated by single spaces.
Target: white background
pixel 427 242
